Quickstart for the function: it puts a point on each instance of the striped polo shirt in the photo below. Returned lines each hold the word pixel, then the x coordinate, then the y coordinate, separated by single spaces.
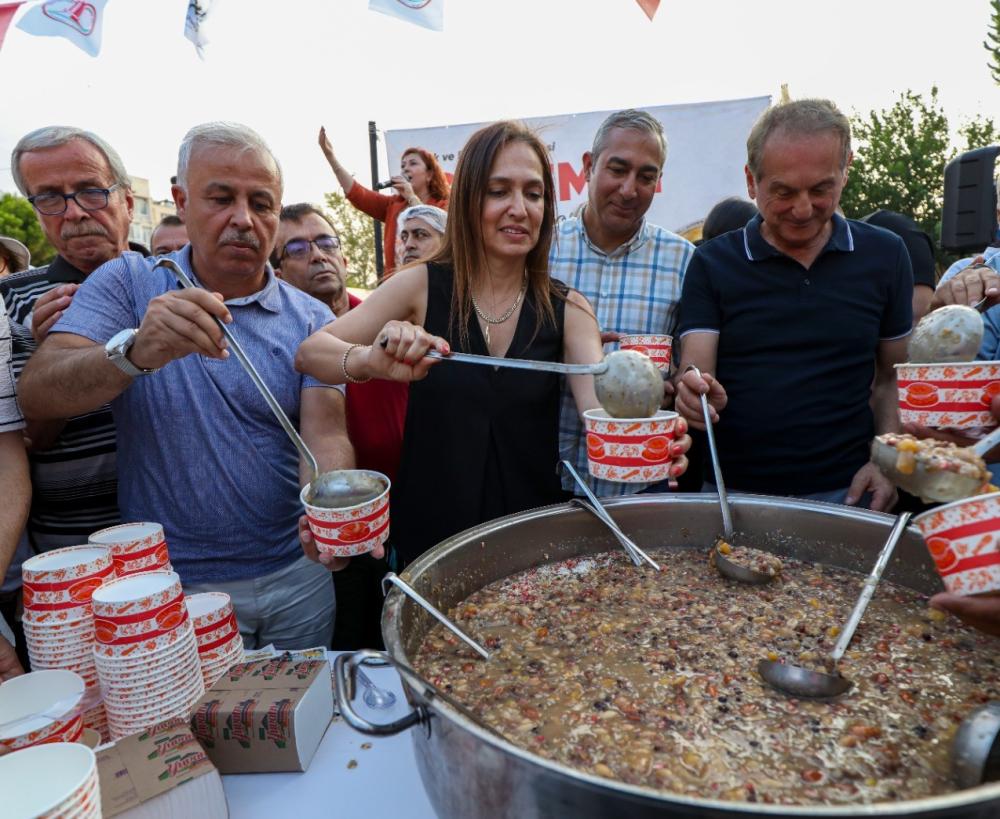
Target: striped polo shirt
pixel 74 481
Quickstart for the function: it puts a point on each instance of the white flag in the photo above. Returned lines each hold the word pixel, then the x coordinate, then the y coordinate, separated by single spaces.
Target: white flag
pixel 79 21
pixel 194 24
pixel 426 13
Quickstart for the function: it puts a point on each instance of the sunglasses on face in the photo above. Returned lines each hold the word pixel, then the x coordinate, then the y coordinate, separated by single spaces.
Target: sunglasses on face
pixel 297 248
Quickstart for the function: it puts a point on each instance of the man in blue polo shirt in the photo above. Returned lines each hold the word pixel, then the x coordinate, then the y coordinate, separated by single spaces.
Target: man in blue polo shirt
pixel 198 448
pixel 797 321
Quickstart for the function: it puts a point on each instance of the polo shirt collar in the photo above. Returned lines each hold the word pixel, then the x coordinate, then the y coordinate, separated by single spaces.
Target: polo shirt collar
pixel 59 270
pixel 637 240
pixel 757 247
pixel 268 297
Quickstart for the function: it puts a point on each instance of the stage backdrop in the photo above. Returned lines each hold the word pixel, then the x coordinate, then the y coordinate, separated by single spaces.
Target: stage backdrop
pixel 705 157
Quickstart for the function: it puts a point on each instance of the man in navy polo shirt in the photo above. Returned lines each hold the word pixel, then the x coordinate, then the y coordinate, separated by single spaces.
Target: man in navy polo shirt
pixel 796 322
pixel 199 450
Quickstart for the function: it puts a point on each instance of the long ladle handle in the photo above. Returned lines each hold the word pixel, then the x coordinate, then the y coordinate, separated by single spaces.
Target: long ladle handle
pixel 984 445
pixel 234 345
pixel 523 363
pixel 597 508
pixel 727 516
pixel 869 587
pixel 417 598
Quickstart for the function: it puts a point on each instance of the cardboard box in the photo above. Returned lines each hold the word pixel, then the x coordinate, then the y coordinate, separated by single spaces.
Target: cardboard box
pixel 162 772
pixel 266 715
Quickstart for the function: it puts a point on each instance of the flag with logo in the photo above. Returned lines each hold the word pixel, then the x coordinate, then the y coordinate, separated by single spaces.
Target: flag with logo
pixel 195 23
pixel 426 13
pixel 649 6
pixel 79 21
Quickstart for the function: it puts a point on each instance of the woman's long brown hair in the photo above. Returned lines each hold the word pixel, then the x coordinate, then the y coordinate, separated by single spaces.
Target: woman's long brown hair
pixel 438 186
pixel 463 246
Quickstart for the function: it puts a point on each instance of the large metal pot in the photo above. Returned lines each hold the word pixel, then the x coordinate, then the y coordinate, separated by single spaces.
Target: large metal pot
pixel 470 772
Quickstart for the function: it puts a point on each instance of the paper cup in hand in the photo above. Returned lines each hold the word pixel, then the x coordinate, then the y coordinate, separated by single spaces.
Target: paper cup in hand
pixel 963 539
pixel 351 530
pixel 656 347
pixel 629 450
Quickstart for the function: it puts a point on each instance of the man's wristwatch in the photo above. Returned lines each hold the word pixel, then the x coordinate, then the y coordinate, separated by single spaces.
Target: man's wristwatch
pixel 116 351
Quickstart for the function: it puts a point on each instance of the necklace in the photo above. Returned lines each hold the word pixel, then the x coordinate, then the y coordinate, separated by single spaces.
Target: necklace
pixel 506 314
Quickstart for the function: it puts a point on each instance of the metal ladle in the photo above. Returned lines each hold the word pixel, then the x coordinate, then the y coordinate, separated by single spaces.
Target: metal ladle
pixel 335 489
pixel 627 383
pixel 949 334
pixel 804 682
pixel 975 752
pixel 932 485
pixel 725 567
pixel 596 508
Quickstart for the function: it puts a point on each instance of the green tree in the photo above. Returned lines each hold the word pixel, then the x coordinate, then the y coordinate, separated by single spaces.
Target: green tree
pixel 992 42
pixel 18 221
pixel 357 236
pixel 899 159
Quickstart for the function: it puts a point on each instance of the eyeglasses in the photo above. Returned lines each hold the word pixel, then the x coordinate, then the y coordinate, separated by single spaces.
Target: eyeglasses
pixel 300 247
pixel 54 204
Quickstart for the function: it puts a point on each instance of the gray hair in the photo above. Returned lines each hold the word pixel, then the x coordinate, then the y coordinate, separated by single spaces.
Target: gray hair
pixel 221 134
pixel 435 217
pixel 55 136
pixel 636 121
pixel 801 117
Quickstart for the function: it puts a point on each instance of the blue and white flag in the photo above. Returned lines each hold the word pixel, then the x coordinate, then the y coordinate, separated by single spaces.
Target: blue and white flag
pixel 426 13
pixel 79 21
pixel 195 22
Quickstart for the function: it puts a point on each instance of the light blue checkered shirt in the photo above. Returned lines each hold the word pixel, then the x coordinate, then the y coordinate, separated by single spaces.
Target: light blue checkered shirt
pixel 633 289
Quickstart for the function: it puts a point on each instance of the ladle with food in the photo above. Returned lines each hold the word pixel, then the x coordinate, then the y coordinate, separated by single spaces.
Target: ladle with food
pixel 334 489
pixel 805 682
pixel 758 567
pixel 947 335
pixel 627 383
pixel 934 471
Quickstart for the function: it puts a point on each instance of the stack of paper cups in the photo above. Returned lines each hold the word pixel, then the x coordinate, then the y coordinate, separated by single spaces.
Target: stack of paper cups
pixel 219 642
pixel 58 618
pixel 57 780
pixel 39 708
pixel 145 651
pixel 135 547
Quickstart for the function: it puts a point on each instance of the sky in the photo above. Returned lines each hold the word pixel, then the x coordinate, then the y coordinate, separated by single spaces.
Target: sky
pixel 286 67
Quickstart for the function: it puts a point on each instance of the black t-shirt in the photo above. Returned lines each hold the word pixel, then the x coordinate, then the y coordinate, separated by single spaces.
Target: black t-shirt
pixel 797 350
pixel 919 245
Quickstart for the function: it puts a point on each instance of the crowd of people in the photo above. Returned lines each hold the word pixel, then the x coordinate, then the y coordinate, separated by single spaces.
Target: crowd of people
pixel 128 407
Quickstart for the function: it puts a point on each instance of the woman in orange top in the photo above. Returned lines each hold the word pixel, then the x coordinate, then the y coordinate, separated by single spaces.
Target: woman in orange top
pixel 421 182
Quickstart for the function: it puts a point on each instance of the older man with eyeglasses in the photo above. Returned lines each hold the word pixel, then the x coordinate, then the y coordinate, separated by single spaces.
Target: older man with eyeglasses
pixel 81 192
pixel 308 255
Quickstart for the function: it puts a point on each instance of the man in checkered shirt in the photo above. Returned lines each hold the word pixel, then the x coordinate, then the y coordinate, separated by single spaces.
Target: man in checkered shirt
pixel 629 270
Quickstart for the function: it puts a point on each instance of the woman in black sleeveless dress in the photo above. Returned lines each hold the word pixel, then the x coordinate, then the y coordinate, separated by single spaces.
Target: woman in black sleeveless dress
pixel 479 442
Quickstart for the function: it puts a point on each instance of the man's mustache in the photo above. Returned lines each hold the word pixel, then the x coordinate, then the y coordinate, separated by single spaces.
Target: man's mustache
pixel 74 230
pixel 242 237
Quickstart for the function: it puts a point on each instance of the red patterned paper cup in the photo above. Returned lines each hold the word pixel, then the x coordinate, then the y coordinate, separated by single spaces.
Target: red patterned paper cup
pixel 656 347
pixel 963 539
pixel 208 610
pixel 629 450
pixel 955 396
pixel 39 692
pixel 139 595
pixel 64 579
pixel 134 545
pixel 352 530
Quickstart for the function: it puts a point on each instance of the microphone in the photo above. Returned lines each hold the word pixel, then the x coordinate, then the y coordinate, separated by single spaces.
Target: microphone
pixel 382 185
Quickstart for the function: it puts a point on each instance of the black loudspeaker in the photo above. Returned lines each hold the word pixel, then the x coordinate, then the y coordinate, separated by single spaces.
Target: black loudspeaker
pixel 969 217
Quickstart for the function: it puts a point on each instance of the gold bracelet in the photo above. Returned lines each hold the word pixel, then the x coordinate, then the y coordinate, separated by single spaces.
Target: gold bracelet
pixel 343 365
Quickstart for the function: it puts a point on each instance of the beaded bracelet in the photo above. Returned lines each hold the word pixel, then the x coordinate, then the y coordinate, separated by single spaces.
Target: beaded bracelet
pixel 343 365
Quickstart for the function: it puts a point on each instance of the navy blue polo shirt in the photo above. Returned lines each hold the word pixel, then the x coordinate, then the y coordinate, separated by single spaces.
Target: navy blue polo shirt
pixel 797 350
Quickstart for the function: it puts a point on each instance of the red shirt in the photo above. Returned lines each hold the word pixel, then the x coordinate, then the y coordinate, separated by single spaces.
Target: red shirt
pixel 376 414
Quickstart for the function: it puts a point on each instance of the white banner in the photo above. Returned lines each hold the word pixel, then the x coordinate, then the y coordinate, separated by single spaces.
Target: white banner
pixel 79 22
pixel 426 13
pixel 705 159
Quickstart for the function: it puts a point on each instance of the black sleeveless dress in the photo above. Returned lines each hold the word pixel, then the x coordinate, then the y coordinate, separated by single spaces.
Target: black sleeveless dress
pixel 479 442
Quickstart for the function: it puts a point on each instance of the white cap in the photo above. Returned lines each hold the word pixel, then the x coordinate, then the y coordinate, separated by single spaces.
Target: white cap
pixel 20 256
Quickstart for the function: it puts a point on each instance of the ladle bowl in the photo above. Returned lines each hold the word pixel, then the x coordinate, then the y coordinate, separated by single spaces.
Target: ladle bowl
pixel 932 485
pixel 949 334
pixel 737 571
